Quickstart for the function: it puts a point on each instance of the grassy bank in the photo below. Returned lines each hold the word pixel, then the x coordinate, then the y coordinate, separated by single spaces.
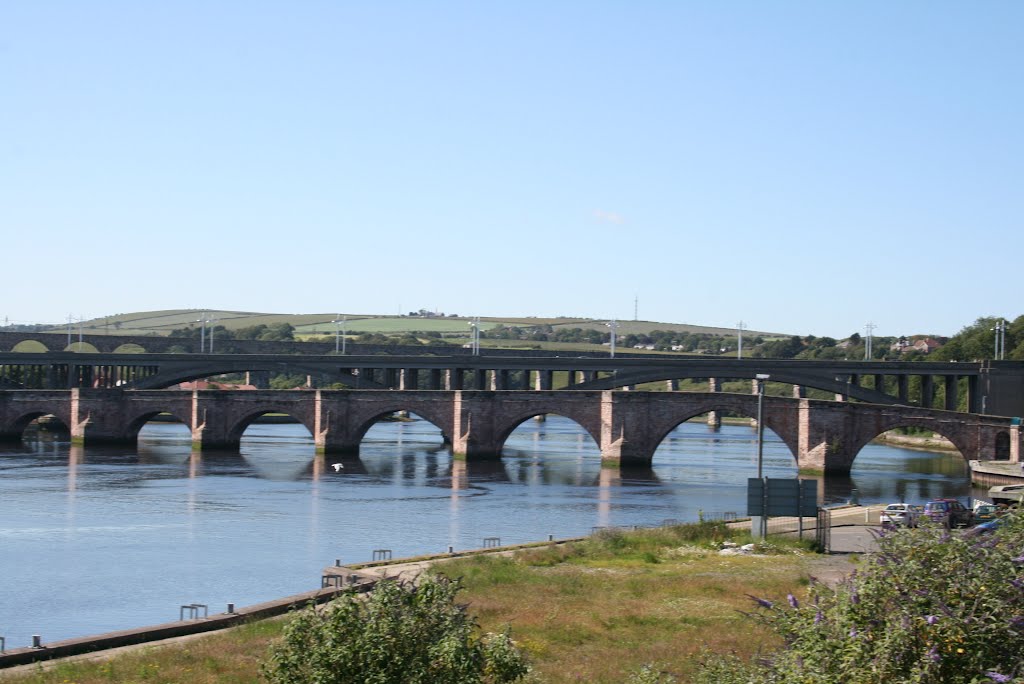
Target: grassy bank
pixel 591 611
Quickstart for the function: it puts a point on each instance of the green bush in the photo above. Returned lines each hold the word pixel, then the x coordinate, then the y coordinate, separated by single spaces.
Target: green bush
pixel 401 633
pixel 931 606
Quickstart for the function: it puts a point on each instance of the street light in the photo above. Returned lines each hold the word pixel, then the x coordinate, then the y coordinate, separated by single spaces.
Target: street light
pixel 760 521
pixel 613 325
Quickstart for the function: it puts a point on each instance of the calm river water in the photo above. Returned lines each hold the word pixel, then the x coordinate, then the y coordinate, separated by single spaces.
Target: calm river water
pixel 98 539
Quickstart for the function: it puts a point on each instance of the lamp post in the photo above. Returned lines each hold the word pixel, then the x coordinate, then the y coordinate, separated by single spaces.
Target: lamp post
pixel 760 521
pixel 613 325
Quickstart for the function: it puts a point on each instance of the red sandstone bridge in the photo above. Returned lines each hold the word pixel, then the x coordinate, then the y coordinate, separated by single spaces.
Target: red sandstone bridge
pixel 823 436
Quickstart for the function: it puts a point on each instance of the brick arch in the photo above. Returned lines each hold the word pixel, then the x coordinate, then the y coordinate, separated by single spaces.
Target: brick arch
pixel 30 346
pixel 242 421
pixel 743 405
pixel 511 422
pixel 364 419
pixel 17 426
pixel 865 435
pixel 135 423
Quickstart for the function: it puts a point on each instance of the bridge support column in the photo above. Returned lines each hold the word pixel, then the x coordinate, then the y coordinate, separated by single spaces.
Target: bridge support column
pixel 435 378
pixel 927 391
pixel 453 379
pixel 799 392
pixel 97 417
pixel 625 437
pixel 952 386
pixel 714 418
pixel 332 431
pixel 544 381
pixel 473 433
pixel 672 385
pixel 825 438
pixel 903 388
pixel 410 379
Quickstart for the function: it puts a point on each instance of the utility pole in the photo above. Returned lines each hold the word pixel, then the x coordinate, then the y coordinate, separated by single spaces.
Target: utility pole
pixel 869 329
pixel 740 327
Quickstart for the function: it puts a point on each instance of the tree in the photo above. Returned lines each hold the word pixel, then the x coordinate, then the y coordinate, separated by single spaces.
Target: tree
pixel 929 607
pixel 402 633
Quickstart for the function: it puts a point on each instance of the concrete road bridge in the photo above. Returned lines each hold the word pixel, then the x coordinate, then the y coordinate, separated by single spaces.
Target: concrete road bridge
pixel 627 427
pixel 991 387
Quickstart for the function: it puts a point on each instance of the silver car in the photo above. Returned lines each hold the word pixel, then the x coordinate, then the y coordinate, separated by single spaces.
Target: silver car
pixel 899 515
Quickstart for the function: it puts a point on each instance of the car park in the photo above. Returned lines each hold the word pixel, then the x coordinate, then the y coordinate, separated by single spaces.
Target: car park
pixel 948 512
pixel 899 515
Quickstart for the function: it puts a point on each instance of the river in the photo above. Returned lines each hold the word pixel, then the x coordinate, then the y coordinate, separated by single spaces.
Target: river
pixel 94 539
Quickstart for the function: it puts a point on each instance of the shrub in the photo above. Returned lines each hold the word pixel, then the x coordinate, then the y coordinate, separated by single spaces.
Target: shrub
pixel 401 633
pixel 929 607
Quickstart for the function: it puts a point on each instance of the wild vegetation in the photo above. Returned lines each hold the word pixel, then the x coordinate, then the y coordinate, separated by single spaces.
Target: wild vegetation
pixel 931 606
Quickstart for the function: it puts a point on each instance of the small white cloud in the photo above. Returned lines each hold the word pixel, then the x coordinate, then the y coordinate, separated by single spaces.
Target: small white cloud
pixel 603 216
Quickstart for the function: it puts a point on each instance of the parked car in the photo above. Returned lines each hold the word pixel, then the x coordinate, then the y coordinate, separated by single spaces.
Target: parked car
pixel 986 512
pixel 948 512
pixel 989 526
pixel 899 515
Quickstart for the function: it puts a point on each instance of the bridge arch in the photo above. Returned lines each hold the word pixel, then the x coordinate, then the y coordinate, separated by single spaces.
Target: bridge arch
pixel 82 348
pixel 775 421
pixel 15 429
pixel 135 423
pixel 30 347
pixel 366 420
pixel 890 421
pixel 129 348
pixel 517 419
pixel 242 422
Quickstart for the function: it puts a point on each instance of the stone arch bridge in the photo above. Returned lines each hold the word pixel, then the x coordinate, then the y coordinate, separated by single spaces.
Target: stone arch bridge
pixel 824 436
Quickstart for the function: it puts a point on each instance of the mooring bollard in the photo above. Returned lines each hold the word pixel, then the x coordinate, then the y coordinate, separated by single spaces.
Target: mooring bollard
pixel 231 609
pixel 3 644
pixel 37 641
pixel 551 537
pixel 451 549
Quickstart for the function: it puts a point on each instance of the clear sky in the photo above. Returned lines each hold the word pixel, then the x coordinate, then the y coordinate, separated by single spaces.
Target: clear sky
pixel 805 167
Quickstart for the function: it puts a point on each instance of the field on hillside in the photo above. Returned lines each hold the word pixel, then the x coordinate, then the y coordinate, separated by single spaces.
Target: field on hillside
pixel 163 322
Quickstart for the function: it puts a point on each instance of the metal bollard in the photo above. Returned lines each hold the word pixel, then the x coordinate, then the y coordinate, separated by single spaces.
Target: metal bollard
pixel 451 549
pixel 337 562
pixel 551 537
pixel 231 609
pixel 37 641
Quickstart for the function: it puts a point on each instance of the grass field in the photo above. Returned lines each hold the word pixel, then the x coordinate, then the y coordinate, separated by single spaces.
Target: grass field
pixel 592 611
pixel 162 322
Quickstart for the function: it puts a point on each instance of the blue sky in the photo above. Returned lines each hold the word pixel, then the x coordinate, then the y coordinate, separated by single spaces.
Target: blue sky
pixel 805 167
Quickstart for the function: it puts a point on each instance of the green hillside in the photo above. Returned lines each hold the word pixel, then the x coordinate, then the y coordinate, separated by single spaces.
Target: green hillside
pixel 163 322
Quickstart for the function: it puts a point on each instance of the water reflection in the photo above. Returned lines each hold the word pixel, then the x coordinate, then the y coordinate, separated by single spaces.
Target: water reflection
pixel 274 513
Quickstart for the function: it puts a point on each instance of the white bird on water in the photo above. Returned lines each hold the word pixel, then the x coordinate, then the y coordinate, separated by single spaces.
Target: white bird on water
pixel 337 467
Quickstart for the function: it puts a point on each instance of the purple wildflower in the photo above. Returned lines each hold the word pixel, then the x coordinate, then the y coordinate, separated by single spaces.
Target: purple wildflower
pixel 931 619
pixel 1018 559
pixel 853 632
pixel 818 618
pixel 933 654
pixel 764 603
pixel 793 603
pixel 997 677
pixel 1017 583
